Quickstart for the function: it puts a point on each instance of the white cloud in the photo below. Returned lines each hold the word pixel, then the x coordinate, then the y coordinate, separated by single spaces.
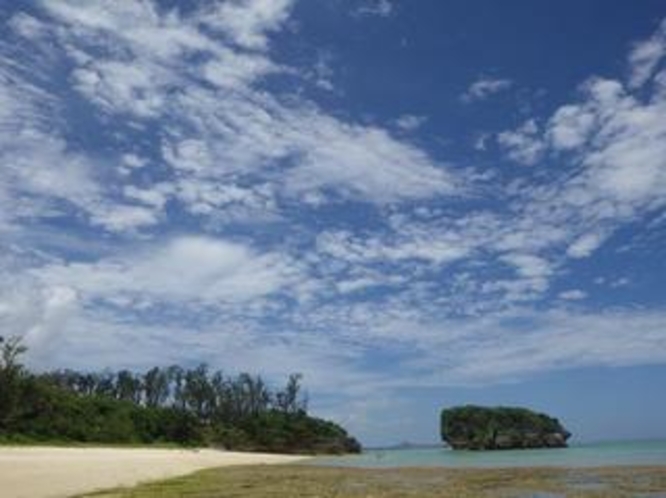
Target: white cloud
pixel 133 161
pixel 646 56
pixel 322 72
pixel 620 282
pixel 484 88
pixel 35 163
pixel 37 313
pixel 250 134
pixel 361 283
pixel 43 179
pixel 233 70
pixel 485 350
pixel 607 151
pixel 41 165
pixel 247 132
pixel 507 346
pixel 626 160
pixel 572 295
pixel 410 122
pixel 151 53
pixel 418 245
pixel 562 339
pixel 189 155
pixel 248 22
pixel 529 265
pixel 26 25
pixel 57 307
pixel 619 141
pixel 585 245
pixel 570 127
pixel 481 141
pixel 363 162
pixel 183 271
pixel 155 197
pixel 524 144
pixel 122 88
pixel 207 198
pixel 121 218
pixel 380 8
pixel 42 173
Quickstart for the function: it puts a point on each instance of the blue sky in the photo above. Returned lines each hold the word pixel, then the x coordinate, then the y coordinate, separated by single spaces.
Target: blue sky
pixel 415 204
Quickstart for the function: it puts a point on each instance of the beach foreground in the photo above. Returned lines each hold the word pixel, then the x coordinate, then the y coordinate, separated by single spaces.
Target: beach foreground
pixel 300 481
pixel 40 472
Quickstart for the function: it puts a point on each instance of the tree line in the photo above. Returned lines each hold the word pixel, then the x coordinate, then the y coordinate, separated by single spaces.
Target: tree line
pixel 194 406
pixel 210 396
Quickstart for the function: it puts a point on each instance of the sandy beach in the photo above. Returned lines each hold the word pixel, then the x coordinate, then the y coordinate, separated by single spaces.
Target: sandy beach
pixel 41 472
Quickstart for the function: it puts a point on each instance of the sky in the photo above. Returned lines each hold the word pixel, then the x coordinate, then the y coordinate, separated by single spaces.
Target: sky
pixel 415 204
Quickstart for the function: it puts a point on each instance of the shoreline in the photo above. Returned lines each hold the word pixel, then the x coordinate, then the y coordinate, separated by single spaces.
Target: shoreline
pixel 64 472
pixel 59 472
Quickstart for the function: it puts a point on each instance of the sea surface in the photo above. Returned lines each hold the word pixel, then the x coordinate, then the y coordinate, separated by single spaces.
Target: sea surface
pixel 577 455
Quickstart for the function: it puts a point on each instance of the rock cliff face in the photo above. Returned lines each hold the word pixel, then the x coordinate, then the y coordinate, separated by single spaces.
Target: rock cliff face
pixel 482 428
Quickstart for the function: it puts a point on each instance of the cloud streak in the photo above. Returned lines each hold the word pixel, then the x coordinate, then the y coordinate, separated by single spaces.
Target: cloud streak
pixel 484 88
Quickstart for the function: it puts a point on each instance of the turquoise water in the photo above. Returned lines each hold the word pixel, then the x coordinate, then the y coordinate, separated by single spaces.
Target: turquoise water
pixel 580 455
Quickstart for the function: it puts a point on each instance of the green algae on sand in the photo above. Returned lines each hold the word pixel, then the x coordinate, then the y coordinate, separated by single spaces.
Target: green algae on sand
pixel 300 481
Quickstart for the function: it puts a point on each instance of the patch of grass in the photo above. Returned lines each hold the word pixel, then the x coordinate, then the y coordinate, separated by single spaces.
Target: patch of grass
pixel 294 481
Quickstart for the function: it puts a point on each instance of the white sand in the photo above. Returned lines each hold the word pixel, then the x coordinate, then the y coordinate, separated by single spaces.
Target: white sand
pixel 40 472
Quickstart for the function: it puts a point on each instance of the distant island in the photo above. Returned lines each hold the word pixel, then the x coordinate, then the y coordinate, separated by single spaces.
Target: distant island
pixel 191 407
pixel 483 428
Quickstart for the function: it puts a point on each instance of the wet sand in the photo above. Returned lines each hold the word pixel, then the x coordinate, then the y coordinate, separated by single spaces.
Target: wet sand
pixel 44 472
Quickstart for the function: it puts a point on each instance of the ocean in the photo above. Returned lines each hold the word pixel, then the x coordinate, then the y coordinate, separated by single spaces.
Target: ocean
pixel 577 455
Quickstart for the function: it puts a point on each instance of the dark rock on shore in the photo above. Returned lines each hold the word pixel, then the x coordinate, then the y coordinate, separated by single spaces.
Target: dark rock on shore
pixel 483 428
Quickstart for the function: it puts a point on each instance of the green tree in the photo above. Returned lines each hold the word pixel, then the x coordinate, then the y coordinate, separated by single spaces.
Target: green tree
pixel 12 348
pixel 290 400
pixel 156 387
pixel 11 372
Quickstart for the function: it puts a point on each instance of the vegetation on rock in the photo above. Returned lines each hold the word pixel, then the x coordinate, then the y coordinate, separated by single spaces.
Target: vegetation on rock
pixel 162 405
pixel 482 428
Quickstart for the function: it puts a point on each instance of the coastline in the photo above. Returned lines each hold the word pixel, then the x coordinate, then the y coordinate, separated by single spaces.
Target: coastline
pixel 110 472
pixel 58 472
